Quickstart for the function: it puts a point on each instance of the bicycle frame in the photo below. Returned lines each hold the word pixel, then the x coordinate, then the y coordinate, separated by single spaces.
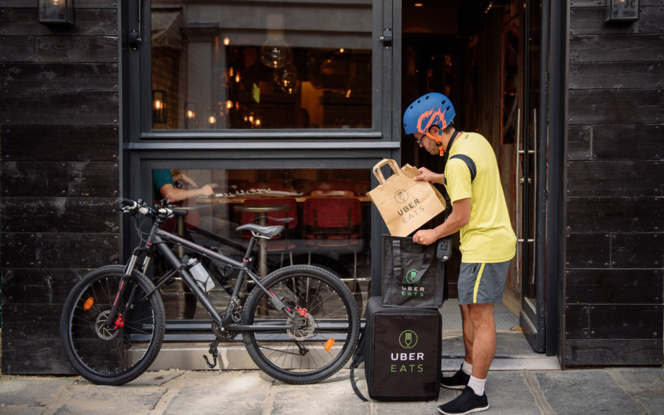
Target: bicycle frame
pixel 158 238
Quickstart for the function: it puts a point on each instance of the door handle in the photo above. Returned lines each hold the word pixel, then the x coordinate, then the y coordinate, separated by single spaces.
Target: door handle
pixel 387 37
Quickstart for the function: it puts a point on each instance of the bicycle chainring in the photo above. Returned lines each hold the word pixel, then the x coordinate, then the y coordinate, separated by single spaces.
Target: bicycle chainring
pixel 223 334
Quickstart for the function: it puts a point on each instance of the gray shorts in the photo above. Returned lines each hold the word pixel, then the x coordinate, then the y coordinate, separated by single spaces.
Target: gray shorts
pixel 482 283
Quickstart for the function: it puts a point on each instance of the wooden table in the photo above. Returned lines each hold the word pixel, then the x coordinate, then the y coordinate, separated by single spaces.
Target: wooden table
pixel 261 212
pixel 240 199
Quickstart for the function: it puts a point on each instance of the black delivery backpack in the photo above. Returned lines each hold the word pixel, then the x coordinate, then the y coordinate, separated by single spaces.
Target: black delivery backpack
pixel 401 350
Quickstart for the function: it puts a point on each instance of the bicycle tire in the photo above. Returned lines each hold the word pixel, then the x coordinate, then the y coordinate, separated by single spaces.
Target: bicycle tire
pixel 300 357
pixel 114 355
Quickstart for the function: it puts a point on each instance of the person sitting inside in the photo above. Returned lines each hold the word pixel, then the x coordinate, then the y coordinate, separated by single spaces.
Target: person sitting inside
pixel 164 187
pixel 174 187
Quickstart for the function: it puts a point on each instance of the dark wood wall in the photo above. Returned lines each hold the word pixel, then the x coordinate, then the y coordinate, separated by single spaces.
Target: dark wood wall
pixel 614 255
pixel 59 144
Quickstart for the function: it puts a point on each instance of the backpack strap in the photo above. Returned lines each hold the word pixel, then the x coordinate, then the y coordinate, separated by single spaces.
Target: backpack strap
pixel 469 162
pixel 358 357
pixel 354 385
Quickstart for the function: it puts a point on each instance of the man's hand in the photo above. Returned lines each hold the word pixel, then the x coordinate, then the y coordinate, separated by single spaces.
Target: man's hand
pixel 429 176
pixel 426 236
pixel 206 190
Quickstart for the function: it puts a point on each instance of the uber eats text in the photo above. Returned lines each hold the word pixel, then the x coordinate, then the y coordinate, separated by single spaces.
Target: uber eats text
pixel 410 210
pixel 407 362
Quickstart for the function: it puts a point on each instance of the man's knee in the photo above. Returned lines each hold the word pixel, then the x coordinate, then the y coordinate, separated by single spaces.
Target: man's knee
pixel 480 313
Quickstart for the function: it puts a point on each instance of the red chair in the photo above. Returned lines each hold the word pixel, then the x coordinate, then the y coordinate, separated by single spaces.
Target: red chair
pixel 288 219
pixel 332 224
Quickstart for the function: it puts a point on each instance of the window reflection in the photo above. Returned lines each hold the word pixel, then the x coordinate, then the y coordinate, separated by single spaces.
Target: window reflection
pixel 325 213
pixel 270 65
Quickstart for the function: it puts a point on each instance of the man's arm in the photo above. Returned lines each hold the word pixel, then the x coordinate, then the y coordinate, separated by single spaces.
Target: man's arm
pixel 458 219
pixel 429 176
pixel 173 194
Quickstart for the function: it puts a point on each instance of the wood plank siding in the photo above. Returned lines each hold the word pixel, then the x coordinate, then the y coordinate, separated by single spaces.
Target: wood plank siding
pixel 614 247
pixel 59 147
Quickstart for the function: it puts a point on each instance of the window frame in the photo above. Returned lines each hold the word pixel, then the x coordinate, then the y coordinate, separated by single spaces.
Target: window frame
pixel 139 77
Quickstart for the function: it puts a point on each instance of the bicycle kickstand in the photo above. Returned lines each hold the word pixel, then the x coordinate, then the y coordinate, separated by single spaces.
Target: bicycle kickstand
pixel 214 352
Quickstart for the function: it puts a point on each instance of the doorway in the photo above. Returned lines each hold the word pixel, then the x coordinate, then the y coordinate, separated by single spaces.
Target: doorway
pixel 485 56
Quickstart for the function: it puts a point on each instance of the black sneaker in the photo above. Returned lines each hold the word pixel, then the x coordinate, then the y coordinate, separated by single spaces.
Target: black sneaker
pixel 466 403
pixel 458 381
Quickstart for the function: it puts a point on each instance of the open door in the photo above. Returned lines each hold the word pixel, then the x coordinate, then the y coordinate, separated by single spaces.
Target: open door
pixel 531 168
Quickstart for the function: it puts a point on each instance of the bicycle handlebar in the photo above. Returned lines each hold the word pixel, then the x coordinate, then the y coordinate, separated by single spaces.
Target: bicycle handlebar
pixel 132 207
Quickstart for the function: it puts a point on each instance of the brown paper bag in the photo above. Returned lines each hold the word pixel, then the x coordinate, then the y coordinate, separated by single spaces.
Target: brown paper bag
pixel 405 204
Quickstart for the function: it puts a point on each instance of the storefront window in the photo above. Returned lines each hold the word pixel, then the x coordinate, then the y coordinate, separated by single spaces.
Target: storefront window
pixel 273 65
pixel 325 213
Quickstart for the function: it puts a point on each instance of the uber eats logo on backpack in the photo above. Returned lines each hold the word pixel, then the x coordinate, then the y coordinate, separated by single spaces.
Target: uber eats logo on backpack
pixel 407 361
pixel 412 278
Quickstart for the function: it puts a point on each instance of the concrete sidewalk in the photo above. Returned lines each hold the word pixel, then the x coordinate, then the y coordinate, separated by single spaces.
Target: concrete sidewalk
pixel 615 391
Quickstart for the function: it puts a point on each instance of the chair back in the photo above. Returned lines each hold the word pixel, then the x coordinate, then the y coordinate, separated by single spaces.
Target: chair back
pixel 332 217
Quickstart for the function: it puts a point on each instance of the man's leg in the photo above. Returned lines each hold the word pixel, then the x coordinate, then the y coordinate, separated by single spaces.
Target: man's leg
pixel 460 379
pixel 468 333
pixel 483 345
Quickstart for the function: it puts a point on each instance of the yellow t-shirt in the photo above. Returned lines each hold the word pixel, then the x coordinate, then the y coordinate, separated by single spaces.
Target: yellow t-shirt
pixel 488 236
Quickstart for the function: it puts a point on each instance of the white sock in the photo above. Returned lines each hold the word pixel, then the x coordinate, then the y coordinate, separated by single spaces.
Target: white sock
pixel 477 385
pixel 467 368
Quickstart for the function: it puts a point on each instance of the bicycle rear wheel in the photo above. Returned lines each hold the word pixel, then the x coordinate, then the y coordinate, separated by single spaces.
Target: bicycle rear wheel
pixel 111 355
pixel 326 336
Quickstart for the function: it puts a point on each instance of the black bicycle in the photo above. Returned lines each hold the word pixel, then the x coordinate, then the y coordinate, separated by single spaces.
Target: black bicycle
pixel 300 324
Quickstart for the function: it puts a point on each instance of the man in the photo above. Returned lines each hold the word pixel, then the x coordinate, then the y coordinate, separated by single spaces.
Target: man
pixel 487 240
pixel 163 181
pixel 165 191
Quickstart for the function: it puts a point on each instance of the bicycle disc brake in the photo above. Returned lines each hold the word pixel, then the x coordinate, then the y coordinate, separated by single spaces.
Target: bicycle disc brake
pixel 305 327
pixel 106 333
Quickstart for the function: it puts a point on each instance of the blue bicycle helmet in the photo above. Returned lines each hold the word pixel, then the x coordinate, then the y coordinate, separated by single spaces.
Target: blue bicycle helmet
pixel 429 109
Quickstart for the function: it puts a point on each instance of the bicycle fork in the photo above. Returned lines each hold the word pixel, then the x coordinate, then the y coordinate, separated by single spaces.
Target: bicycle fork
pixel 116 319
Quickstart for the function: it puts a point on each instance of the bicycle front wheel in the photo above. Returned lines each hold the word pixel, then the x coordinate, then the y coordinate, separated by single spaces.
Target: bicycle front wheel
pixel 318 341
pixel 115 354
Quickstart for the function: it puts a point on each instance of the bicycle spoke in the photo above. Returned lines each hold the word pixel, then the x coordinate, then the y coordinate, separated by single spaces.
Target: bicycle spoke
pixel 118 352
pixel 303 353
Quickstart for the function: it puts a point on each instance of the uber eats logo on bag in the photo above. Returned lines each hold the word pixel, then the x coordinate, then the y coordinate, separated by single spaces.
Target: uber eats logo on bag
pixel 412 278
pixel 407 362
pixel 407 210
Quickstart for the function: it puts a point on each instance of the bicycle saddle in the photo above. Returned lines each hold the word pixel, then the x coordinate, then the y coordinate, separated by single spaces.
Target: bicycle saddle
pixel 262 231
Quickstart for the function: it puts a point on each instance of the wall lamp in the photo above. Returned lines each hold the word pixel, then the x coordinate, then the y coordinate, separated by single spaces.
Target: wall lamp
pixel 56 12
pixel 159 106
pixel 622 10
